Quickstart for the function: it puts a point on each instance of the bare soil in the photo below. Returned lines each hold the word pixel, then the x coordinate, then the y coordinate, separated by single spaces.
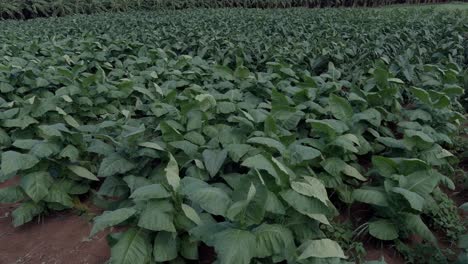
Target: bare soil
pixel 54 239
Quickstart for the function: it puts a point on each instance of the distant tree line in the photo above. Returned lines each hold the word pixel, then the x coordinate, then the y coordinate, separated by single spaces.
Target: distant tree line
pixel 23 9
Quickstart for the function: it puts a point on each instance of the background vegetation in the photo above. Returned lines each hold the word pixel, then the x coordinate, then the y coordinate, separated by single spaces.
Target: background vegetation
pixel 42 8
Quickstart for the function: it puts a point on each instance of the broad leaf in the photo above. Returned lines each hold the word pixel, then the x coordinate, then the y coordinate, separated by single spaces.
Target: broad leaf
pixel 340 107
pixel 82 172
pixel 132 247
pixel 26 212
pixel 322 248
pixel 273 240
pixel 111 218
pixel 213 160
pixel 165 246
pixel 172 173
pixel 114 164
pixel 14 161
pixel 383 230
pixel 153 191
pixel 235 246
pixel 157 216
pixel 36 184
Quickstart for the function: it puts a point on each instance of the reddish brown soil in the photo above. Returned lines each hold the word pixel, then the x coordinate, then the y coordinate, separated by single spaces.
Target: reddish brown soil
pixel 56 239
pixel 388 254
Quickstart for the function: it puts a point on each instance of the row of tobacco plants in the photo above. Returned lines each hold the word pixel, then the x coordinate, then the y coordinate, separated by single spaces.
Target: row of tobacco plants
pixel 253 132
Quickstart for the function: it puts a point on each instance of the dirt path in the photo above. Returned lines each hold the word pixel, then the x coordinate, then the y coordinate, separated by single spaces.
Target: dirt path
pixel 58 238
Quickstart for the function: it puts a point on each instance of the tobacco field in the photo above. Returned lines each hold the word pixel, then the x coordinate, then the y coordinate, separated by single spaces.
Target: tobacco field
pixel 262 135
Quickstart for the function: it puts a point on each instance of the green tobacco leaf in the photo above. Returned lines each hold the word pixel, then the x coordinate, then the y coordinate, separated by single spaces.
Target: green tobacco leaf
pixel 191 214
pixel 464 207
pixel 415 200
pixel 242 72
pixel 237 151
pixel 419 134
pixel 422 182
pixel 273 240
pixel 70 152
pixel 408 166
pixel 321 218
pixel 415 225
pixel 26 212
pixel 25 143
pixel 370 115
pixel 36 184
pixel 353 172
pixel 5 139
pixel 235 246
pixel 157 216
pixel 322 248
pixel 152 145
pixel 335 166
pixel 111 218
pixel 303 204
pixel 172 173
pixel 14 161
pixel 195 138
pixel 189 248
pixel 463 243
pixel 312 188
pixel 260 162
pixel 132 247
pixel 113 187
pixel 59 196
pixel 44 149
pixel 114 164
pixel 385 166
pixel 135 182
pixel 165 246
pixel 330 127
pixel 187 147
pixel 82 172
pixel 223 72
pixel 153 191
pixel 212 199
pixel 421 94
pixel 299 153
pixel 269 142
pixel 393 143
pixel 383 230
pixel 347 142
pixel 214 160
pixel 237 209
pixel 371 196
pixel 273 204
pixel 22 122
pixel 53 130
pixel 340 107
pixel 11 194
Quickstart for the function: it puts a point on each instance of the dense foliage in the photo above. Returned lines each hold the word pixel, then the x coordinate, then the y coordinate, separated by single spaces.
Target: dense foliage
pixel 39 8
pixel 244 130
